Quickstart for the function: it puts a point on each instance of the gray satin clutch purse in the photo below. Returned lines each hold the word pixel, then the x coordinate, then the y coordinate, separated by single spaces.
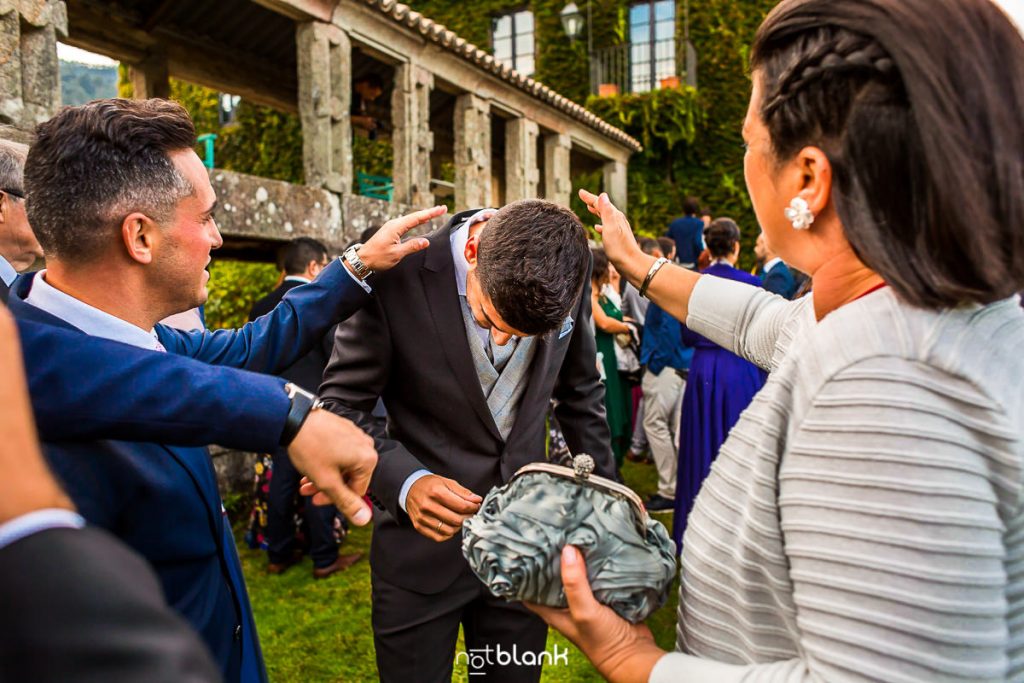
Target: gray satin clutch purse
pixel 514 542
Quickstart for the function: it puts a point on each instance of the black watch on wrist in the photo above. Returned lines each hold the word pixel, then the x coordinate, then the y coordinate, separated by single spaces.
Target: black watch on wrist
pixel 303 403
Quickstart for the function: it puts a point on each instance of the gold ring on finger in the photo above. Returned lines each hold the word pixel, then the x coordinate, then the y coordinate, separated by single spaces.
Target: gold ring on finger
pixel 439 525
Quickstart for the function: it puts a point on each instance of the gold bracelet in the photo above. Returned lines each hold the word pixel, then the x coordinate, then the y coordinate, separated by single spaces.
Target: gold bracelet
pixel 650 275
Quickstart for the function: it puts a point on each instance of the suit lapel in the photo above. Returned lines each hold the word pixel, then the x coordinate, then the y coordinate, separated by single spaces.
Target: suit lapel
pixel 438 276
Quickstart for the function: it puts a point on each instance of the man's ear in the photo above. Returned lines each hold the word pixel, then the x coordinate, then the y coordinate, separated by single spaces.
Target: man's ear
pixel 140 235
pixel 5 206
pixel 472 246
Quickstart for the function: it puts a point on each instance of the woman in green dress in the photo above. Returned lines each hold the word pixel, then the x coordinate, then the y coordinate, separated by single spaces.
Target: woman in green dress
pixel 608 323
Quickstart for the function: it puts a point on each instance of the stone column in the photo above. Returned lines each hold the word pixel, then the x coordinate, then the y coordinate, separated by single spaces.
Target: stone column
pixel 29 70
pixel 521 173
pixel 557 178
pixel 615 185
pixel 472 152
pixel 412 139
pixel 150 77
pixel 325 97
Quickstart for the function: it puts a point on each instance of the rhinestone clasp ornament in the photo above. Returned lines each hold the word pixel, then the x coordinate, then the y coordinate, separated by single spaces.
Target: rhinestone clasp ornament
pixel 582 465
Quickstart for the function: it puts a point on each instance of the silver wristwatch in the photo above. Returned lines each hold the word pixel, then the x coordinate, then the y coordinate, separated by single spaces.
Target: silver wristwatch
pixel 351 257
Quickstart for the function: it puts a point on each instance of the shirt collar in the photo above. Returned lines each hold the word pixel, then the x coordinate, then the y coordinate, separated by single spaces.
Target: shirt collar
pixel 7 272
pixel 90 320
pixel 771 264
pixel 297 278
pixel 459 238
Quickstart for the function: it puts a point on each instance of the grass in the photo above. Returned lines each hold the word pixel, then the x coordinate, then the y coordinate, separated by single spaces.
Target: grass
pixel 320 630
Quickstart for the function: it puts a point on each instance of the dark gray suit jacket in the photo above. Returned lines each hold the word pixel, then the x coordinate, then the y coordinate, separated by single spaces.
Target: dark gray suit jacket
pixel 78 605
pixel 409 346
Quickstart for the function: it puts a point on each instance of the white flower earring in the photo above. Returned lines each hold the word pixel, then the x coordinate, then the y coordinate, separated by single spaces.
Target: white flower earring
pixel 799 214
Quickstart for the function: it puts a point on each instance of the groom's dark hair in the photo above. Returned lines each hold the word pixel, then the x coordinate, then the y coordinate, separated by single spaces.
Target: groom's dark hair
pixel 532 262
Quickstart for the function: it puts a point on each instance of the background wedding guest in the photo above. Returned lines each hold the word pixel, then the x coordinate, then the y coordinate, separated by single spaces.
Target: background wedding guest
pixel 864 520
pixel 19 247
pixel 608 322
pixel 666 360
pixel 775 275
pixel 720 384
pixel 687 232
pixel 302 259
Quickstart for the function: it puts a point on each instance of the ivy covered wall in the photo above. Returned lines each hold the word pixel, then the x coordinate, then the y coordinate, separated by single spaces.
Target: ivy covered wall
pixel 691 138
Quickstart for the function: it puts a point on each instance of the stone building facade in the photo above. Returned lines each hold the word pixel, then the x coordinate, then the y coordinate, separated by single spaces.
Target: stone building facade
pixel 507 136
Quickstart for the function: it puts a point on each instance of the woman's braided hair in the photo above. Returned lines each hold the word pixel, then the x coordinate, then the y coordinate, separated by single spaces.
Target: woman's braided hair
pixel 916 104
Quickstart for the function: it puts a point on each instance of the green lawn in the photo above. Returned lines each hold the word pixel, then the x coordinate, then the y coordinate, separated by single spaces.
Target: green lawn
pixel 320 630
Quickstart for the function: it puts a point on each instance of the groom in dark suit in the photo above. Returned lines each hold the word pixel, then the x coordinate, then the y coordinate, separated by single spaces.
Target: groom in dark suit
pixel 467 343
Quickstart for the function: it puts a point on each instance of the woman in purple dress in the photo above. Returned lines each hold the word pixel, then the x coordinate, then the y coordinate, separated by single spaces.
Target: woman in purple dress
pixel 719 387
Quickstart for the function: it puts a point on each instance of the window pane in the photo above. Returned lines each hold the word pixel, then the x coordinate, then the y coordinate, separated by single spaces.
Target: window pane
pixel 524 65
pixel 640 52
pixel 639 33
pixel 524 45
pixel 524 22
pixel 664 30
pixel 639 14
pixel 503 49
pixel 664 9
pixel 503 27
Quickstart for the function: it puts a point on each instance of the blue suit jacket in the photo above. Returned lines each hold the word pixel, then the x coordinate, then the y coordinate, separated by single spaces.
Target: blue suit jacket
pixel 780 280
pixel 162 500
pixel 688 234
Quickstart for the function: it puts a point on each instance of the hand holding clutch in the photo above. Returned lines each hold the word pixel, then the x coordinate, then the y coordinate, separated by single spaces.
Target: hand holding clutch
pixel 514 543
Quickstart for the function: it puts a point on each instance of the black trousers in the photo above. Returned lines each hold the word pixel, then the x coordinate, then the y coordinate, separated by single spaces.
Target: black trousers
pixel 415 635
pixel 281 498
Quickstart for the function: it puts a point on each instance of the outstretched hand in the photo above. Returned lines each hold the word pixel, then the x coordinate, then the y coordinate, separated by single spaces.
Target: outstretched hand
pixel 340 457
pixel 385 249
pixel 619 243
pixel 621 652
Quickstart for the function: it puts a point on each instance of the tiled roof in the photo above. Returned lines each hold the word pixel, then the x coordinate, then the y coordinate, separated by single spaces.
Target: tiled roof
pixel 431 30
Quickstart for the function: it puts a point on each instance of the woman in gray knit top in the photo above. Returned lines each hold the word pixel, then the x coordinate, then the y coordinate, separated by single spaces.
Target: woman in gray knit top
pixel 865 519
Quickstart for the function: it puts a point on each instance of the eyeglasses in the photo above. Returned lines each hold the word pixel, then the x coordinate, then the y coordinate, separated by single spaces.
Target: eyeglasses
pixel 14 193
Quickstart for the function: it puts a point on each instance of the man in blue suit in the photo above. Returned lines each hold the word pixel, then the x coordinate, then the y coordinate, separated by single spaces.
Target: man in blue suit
pixel 687 232
pixel 775 275
pixel 124 211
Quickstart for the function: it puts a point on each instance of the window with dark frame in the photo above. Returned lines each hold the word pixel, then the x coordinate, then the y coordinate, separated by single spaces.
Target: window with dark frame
pixel 512 38
pixel 652 52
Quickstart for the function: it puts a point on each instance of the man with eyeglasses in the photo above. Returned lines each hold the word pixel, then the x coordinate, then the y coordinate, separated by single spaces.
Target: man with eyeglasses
pixel 19 248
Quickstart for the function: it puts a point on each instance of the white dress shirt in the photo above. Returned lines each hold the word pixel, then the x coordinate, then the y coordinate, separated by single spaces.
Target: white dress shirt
pixel 7 272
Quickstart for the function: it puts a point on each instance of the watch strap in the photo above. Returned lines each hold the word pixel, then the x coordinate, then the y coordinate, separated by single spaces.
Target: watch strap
pixel 302 404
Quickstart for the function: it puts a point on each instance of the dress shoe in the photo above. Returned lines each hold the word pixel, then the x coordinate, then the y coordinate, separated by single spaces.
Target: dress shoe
pixel 341 564
pixel 281 567
pixel 658 503
pixel 641 457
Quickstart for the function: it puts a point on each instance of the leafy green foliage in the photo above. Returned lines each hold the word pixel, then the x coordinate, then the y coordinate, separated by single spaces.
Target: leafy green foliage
pixel 234 287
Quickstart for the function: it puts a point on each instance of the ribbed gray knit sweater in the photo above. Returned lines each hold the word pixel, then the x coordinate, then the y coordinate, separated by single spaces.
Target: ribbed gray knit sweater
pixel 863 521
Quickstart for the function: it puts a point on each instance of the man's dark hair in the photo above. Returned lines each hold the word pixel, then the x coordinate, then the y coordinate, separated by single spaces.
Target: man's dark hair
pixel 667 245
pixel 371 79
pixel 926 144
pixel 91 166
pixel 297 254
pixel 532 261
pixel 691 206
pixel 721 237
pixel 648 245
pixel 599 271
pixel 369 232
